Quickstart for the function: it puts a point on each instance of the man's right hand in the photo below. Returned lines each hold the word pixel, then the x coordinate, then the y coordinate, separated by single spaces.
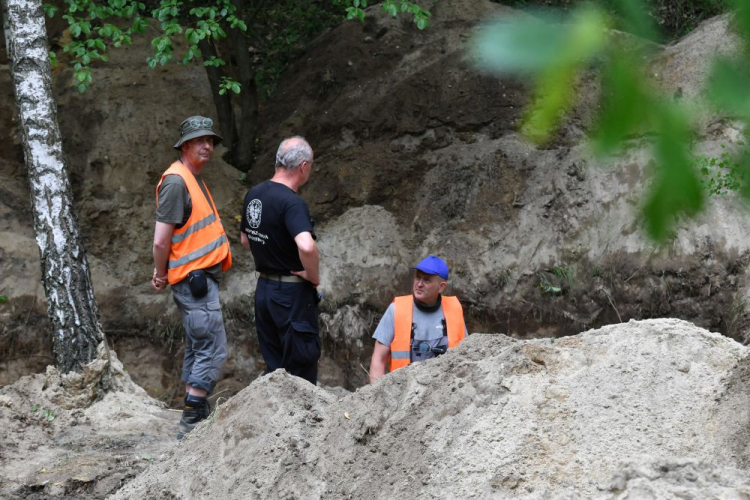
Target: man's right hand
pixel 308 256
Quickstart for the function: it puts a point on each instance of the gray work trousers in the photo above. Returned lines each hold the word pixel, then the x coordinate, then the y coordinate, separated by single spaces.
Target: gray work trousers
pixel 205 337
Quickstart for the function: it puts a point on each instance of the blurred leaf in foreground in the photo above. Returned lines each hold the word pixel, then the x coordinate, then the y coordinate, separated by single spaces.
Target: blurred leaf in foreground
pixel 549 49
pixel 676 189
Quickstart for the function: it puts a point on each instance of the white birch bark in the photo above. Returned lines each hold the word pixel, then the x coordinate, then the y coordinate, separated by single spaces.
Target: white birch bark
pixel 65 272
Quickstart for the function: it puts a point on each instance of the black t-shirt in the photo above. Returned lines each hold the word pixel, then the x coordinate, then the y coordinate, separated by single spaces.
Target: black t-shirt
pixel 273 215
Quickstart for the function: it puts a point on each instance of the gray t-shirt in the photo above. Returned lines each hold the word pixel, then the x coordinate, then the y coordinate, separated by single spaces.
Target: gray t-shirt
pixel 428 327
pixel 175 207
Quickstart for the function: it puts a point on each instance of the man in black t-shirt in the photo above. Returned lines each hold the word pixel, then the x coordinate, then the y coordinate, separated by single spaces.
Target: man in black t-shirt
pixel 277 228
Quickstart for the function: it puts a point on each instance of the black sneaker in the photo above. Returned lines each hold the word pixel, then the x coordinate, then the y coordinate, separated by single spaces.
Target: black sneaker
pixel 191 417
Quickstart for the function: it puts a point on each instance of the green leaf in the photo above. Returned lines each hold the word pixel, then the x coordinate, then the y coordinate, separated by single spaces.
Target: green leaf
pixel 742 18
pixel 82 88
pixel 551 52
pixel 676 189
pixel 50 10
pixel 636 19
pixel 727 87
pixel 627 106
pixel 532 45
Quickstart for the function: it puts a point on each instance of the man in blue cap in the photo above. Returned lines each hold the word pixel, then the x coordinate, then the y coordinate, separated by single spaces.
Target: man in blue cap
pixel 419 326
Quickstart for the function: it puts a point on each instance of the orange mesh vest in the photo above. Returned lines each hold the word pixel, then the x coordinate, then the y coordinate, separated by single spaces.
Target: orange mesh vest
pixel 401 345
pixel 201 242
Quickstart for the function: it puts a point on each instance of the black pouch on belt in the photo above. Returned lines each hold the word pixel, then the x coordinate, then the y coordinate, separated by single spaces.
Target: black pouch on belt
pixel 198 283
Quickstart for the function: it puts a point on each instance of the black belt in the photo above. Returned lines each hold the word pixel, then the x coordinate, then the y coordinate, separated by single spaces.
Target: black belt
pixel 282 278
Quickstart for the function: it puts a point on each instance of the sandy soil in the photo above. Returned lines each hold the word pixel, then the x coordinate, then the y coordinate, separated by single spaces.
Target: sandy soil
pixel 79 437
pixel 581 417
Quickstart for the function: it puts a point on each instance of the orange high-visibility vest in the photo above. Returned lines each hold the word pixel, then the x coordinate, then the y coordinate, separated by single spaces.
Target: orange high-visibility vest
pixel 201 242
pixel 401 345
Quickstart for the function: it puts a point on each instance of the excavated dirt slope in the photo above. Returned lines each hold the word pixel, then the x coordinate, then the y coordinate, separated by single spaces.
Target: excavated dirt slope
pixel 417 152
pixel 657 405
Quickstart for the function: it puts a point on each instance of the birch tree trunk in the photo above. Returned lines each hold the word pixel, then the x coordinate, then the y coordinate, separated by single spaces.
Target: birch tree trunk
pixel 65 271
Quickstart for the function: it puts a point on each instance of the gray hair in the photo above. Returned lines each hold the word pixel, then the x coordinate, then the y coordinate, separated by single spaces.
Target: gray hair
pixel 292 152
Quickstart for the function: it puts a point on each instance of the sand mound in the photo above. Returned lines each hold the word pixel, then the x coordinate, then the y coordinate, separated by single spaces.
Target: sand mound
pixel 650 404
pixel 79 435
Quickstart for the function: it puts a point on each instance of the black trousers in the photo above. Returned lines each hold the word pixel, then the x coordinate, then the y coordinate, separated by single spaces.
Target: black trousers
pixel 286 319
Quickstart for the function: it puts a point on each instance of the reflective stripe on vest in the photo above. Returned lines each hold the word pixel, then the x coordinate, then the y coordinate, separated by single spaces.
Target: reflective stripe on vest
pixel 201 242
pixel 403 313
pixel 185 259
pixel 176 238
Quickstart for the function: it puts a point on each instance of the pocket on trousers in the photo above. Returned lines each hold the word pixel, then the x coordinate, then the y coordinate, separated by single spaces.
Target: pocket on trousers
pixel 204 319
pixel 215 317
pixel 306 343
pixel 280 307
pixel 282 301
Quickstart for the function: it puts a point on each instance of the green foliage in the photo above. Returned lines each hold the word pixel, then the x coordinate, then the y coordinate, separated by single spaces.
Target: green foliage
pixel 552 50
pixel 565 274
pixel 563 280
pixel 47 414
pixel 276 31
pixel 228 84
pixel 546 287
pixel 722 175
pixel 355 10
pixel 3 299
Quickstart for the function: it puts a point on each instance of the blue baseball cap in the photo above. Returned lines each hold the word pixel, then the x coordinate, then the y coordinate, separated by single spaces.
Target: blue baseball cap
pixel 433 265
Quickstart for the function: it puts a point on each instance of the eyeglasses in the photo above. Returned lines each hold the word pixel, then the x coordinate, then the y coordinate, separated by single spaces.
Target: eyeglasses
pixel 197 123
pixel 425 347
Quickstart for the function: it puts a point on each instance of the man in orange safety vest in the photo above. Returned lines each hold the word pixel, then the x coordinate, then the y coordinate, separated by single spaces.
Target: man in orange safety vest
pixel 191 253
pixel 419 326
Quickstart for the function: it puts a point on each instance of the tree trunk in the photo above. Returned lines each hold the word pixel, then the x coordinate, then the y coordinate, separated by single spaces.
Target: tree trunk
pixel 248 122
pixel 65 271
pixel 223 103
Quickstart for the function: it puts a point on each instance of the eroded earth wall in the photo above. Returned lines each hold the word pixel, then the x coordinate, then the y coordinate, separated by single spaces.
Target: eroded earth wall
pixel 417 152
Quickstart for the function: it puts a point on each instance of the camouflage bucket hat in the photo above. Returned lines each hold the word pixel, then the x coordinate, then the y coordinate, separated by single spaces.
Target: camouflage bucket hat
pixel 197 126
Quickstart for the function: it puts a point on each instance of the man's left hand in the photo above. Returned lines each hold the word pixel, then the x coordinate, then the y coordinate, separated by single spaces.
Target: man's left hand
pixel 304 276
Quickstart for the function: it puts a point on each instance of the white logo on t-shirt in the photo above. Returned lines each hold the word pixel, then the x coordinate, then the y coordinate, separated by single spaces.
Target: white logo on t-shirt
pixel 254 209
